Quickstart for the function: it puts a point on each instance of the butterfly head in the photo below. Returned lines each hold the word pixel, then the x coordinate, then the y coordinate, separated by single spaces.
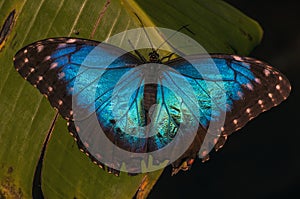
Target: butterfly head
pixel 154 57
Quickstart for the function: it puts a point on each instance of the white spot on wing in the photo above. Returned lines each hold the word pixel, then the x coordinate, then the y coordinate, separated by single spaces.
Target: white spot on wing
pixel 280 78
pixel 237 58
pixel 278 87
pixel 62 45
pixel 260 102
pixel 240 94
pixel 53 65
pixel 257 80
pixel 248 110
pixel 249 86
pixel 61 75
pixel 47 58
pixel 266 72
pixel 25 51
pixel 204 153
pixel 71 41
pixel 98 156
pixel 26 60
pixel 215 140
pixel 258 61
pixel 270 95
pixel 60 102
pixel 40 48
pixel 235 121
pixel 86 144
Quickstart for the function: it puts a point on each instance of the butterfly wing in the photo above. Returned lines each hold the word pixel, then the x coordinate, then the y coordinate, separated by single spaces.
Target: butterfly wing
pixel 79 74
pixel 251 87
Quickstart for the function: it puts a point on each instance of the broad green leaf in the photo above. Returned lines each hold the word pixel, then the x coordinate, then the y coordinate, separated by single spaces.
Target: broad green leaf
pixel 26 116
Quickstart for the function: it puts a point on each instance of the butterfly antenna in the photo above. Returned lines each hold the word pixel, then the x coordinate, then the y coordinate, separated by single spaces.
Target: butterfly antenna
pixel 144 31
pixel 172 35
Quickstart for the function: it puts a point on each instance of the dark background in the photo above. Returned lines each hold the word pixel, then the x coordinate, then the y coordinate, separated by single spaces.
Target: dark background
pixel 261 160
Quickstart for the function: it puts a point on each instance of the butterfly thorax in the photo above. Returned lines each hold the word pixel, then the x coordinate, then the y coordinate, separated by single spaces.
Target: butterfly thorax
pixel 150 89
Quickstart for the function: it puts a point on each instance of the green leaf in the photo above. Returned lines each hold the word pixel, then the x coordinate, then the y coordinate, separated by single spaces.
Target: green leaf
pixel 26 115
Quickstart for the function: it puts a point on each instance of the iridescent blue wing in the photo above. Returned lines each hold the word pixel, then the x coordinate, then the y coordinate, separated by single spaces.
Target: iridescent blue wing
pixel 85 82
pixel 77 73
pixel 251 87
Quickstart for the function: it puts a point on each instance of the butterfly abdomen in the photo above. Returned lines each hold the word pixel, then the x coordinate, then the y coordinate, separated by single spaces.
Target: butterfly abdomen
pixel 150 91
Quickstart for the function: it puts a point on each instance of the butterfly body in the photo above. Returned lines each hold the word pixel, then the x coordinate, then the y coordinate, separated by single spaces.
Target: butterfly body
pixel 144 98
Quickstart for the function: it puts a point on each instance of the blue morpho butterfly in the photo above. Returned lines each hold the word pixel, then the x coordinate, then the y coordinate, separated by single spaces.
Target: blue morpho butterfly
pixel 251 87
